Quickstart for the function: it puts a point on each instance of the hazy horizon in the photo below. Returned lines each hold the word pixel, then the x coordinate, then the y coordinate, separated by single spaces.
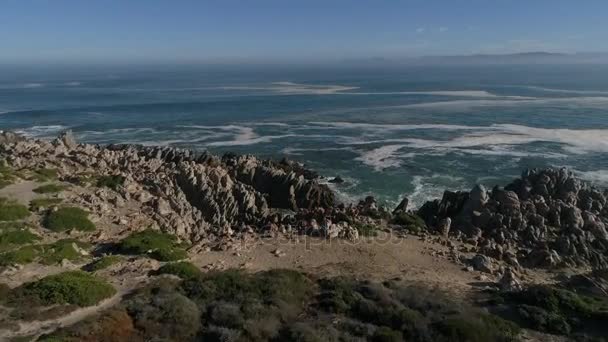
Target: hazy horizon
pixel 68 31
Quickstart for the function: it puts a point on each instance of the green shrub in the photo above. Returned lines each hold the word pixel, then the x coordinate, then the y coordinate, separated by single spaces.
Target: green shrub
pixel 183 269
pixel 68 218
pixel 367 230
pixel 558 310
pixel 12 211
pixel 385 334
pixel 46 254
pixel 12 238
pixel 57 251
pixel 103 263
pixel 412 222
pixel 49 188
pixel 23 255
pixel 43 203
pixel 74 287
pixel 158 245
pixel 45 175
pixel 7 176
pixel 113 182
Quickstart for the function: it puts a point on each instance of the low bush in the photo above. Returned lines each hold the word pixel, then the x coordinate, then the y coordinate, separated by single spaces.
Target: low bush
pixel 48 254
pixel 43 203
pixel 12 211
pixel 68 249
pixel 158 245
pixel 74 287
pixel 68 218
pixel 45 175
pixel 183 269
pixel 369 230
pixel 20 256
pixel 12 238
pixel 103 263
pixel 113 182
pixel 412 222
pixel 49 189
pixel 559 310
pixel 7 176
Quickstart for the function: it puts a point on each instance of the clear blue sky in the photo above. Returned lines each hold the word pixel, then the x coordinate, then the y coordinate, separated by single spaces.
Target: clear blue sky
pixel 155 30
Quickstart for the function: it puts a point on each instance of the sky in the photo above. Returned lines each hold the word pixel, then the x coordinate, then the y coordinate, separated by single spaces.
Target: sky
pixel 298 30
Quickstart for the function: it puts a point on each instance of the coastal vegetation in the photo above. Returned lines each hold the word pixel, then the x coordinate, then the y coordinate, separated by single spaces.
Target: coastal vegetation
pixel 67 218
pixel 155 244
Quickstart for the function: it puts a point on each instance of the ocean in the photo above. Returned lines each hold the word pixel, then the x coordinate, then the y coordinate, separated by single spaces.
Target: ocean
pixel 387 131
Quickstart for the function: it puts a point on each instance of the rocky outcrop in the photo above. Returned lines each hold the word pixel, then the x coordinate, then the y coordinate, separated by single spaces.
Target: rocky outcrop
pixel 546 218
pixel 196 196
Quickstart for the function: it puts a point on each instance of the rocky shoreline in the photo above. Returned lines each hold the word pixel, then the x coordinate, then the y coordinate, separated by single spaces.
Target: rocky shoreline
pixel 546 218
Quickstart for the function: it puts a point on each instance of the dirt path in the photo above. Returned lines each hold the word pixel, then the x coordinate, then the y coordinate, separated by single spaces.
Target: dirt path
pixel 36 328
pixel 406 258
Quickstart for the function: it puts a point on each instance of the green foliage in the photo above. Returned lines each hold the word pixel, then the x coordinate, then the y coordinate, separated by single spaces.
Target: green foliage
pixel 45 254
pixel 412 222
pixel 559 310
pixel 12 238
pixel 103 263
pixel 12 211
pixel 183 269
pixel 23 255
pixel 43 203
pixel 45 175
pixel 286 305
pixel 67 249
pixel 68 218
pixel 367 229
pixel 113 182
pixel 7 176
pixel 74 287
pixel 49 188
pixel 157 245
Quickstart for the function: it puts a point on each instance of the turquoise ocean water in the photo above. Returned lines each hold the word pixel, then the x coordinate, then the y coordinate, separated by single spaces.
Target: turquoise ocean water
pixel 390 132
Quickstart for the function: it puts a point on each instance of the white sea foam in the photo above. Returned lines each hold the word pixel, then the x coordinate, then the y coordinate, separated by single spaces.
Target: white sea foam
pixel 427 189
pixel 567 91
pixel 73 84
pixel 33 85
pixel 450 93
pixel 291 88
pixel 41 131
pixel 468 104
pixel 572 140
pixel 391 127
pixel 382 157
pixel 598 177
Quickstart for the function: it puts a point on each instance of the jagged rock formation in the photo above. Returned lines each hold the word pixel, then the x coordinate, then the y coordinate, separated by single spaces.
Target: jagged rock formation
pixel 195 196
pixel 546 218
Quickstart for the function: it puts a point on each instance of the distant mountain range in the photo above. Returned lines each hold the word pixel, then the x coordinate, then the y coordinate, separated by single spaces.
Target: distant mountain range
pixel 533 57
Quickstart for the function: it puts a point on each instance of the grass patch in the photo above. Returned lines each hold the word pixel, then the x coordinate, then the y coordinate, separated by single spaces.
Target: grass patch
pixel 12 211
pixel 74 287
pixel 49 189
pixel 157 245
pixel 68 218
pixel 368 230
pixel 12 238
pixel 45 175
pixel 43 203
pixel 7 176
pixel 103 263
pixel 47 254
pixel 113 181
pixel 183 269
pixel 412 222
pixel 20 256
